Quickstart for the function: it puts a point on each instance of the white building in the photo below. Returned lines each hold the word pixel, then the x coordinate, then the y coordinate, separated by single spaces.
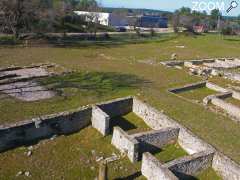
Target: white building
pixel 97 17
pixel 106 19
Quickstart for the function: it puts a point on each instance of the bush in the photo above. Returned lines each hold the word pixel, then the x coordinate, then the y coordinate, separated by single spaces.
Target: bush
pixel 228 31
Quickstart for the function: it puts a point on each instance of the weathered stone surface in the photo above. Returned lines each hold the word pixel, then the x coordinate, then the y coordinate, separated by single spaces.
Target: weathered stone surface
pixel 226 167
pixel 100 121
pixel 191 165
pixel 228 107
pixel 188 87
pixel 26 91
pixel 125 143
pixel 172 63
pixel 117 107
pixel 215 87
pixel 156 138
pixel 152 169
pixel 209 98
pixel 62 123
pixel 157 120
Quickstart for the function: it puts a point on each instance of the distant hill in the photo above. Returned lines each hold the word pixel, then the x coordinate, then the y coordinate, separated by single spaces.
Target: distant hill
pixel 138 11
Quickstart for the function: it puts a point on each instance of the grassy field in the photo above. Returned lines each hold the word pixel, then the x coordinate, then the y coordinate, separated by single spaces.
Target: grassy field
pixel 109 71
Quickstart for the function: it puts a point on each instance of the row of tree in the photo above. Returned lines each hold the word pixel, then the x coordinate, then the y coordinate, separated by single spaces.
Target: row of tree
pixel 25 16
pixel 184 17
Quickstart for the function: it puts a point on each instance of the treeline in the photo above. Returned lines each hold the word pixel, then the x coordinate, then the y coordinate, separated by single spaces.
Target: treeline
pixel 187 18
pixel 40 16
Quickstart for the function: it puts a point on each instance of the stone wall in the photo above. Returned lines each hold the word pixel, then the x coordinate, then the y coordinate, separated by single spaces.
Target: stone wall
pixel 190 165
pixel 224 95
pixel 125 143
pixel 188 141
pixel 36 129
pixel 172 63
pixel 215 87
pixel 228 107
pixel 100 120
pixel 236 95
pixel 224 166
pixel 117 107
pixel 152 169
pixel 188 87
pixel 156 138
pixel 157 120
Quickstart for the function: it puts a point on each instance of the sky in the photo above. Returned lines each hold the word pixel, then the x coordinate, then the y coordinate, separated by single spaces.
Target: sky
pixel 172 5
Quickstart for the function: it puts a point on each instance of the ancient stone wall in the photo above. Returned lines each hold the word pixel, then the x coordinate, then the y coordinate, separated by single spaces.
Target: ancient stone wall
pixel 157 120
pixel 125 143
pixel 100 120
pixel 156 138
pixel 188 87
pixel 228 107
pixel 209 98
pixel 215 87
pixel 191 165
pixel 44 127
pixel 226 167
pixel 152 169
pixel 117 107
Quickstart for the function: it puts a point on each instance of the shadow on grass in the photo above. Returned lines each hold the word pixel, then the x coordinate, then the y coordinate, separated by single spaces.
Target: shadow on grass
pixel 96 82
pixel 111 41
pixel 122 123
pixel 232 40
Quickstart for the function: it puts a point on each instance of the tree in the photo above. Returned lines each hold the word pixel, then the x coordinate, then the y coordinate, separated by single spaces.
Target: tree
pixel 18 15
pixel 215 18
pixel 185 11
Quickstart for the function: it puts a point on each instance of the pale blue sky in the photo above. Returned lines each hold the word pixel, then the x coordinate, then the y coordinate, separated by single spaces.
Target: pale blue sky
pixel 172 5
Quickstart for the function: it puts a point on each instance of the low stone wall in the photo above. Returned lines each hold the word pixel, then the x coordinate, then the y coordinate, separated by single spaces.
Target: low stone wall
pixel 190 165
pixel 215 87
pixel 236 95
pixel 100 120
pixel 224 166
pixel 188 87
pixel 152 169
pixel 157 120
pixel 36 129
pixel 172 63
pixel 224 95
pixel 228 107
pixel 117 107
pixel 125 143
pixel 188 141
pixel 156 138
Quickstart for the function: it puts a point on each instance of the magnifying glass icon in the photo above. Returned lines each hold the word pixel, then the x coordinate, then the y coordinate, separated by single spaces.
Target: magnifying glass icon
pixel 233 5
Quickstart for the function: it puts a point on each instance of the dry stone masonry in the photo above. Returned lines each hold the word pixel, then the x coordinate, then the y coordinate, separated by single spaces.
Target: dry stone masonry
pixel 216 99
pixel 136 146
pixel 209 67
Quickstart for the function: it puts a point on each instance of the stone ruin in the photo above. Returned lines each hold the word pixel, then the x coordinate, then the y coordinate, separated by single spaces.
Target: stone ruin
pixel 136 146
pixel 19 82
pixel 209 67
pixel 216 99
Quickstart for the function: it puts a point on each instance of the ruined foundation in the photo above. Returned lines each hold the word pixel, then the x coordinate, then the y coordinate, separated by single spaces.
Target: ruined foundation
pixel 136 146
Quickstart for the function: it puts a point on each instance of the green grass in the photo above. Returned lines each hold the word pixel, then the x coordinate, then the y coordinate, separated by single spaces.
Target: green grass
pixel 208 174
pixel 130 123
pixel 197 94
pixel 220 131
